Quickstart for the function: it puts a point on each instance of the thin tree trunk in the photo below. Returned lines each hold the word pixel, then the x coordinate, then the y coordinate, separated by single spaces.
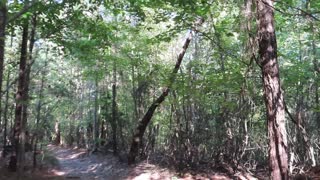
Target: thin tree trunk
pixel 27 78
pixel 315 64
pixel 40 96
pixel 19 127
pixel 3 21
pixel 114 110
pixel 106 109
pixel 137 137
pixel 277 135
pixel 38 117
pixel 250 49
pixel 95 123
pixel 12 113
pixel 102 132
pixel 6 112
pixel 134 96
pixel 300 115
pixel 26 92
pixel 81 112
pixel 57 139
pixel 178 134
pixel 305 137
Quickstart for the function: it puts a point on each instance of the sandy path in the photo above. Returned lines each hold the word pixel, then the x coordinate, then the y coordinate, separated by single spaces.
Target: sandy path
pixel 76 164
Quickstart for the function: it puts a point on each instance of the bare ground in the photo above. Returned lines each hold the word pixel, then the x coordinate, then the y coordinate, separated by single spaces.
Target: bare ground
pixel 77 164
pixel 69 163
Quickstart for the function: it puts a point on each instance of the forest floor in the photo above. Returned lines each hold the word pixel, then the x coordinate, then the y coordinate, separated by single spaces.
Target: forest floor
pixel 78 164
pixel 60 163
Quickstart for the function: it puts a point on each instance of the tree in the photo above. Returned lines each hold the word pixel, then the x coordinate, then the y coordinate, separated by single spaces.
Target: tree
pixel 114 122
pixel 99 67
pixel 137 137
pixel 278 146
pixel 20 125
pixel 3 22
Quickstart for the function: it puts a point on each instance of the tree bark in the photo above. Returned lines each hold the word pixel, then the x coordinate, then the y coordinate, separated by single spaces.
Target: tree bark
pixel 6 107
pixel 31 46
pixel 143 123
pixel 136 111
pixel 114 110
pixel 6 112
pixel 277 135
pixel 95 117
pixel 27 81
pixel 40 96
pixel 57 139
pixel 3 21
pixel 19 127
pixel 315 64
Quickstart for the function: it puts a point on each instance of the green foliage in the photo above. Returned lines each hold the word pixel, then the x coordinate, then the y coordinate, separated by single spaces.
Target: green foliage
pixel 83 48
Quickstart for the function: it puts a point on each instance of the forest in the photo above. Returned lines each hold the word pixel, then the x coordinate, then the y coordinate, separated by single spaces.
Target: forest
pixel 160 89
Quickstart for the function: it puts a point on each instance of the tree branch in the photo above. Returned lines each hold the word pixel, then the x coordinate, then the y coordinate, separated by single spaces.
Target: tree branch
pixel 289 114
pixel 296 8
pixel 25 9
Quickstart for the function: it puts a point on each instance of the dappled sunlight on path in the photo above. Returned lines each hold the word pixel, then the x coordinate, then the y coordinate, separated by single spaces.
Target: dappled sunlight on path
pixel 149 171
pixel 77 164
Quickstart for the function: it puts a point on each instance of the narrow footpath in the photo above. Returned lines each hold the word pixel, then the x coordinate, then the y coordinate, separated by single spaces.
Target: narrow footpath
pixel 77 164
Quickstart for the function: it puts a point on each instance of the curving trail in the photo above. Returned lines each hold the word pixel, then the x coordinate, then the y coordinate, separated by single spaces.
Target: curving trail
pixel 77 164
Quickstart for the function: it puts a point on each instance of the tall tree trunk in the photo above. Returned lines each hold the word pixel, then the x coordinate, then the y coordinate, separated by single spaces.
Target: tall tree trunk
pixel 277 135
pixel 143 123
pixel 114 109
pixel 25 140
pixel 135 101
pixel 307 148
pixel 57 139
pixel 178 134
pixel 19 127
pixel 102 133
pixel 5 116
pixel 27 82
pixel 300 107
pixel 315 64
pixel 95 117
pixel 12 113
pixel 40 97
pixel 3 21
pixel 250 52
pixel 38 116
pixel 6 107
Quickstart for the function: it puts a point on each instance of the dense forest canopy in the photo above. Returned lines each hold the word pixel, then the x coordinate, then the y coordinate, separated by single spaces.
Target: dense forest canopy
pixel 194 82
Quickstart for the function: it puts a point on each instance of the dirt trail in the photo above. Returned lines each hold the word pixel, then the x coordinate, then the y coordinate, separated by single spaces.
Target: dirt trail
pixel 76 164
